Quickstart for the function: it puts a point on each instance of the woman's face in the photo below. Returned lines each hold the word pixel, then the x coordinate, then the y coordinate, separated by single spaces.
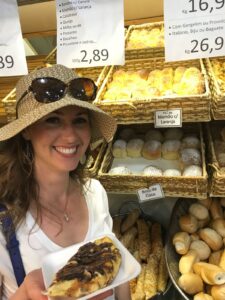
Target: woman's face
pixel 60 139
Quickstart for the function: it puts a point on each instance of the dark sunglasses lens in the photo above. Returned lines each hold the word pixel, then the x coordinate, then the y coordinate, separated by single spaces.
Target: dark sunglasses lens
pixel 83 89
pixel 48 89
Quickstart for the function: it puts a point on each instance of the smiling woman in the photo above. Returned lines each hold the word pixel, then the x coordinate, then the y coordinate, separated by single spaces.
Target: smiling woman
pixel 42 185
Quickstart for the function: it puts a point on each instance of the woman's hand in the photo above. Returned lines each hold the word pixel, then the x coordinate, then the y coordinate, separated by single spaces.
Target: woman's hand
pixel 31 288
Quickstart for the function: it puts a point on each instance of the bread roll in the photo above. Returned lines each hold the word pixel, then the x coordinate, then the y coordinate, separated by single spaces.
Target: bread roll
pixel 181 242
pixel 219 226
pixel 154 134
pixel 206 202
pixel 151 149
pixel 173 134
pixel 120 170
pixel 222 260
pixel 201 248
pixel 172 172
pixel 191 283
pixel 210 274
pixel 212 238
pixel 152 171
pixel 202 296
pixel 134 147
pixel 188 223
pixel 214 257
pixel 127 133
pixel 192 171
pixel 190 156
pixel 119 149
pixel 190 142
pixel 199 211
pixel 218 292
pixel 216 209
pixel 186 261
pixel 170 149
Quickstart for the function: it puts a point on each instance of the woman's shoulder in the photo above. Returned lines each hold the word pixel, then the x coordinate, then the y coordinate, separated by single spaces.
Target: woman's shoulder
pixel 93 184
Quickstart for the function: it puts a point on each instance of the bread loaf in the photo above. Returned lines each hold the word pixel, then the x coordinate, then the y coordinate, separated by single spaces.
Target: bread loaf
pixel 210 274
pixel 191 283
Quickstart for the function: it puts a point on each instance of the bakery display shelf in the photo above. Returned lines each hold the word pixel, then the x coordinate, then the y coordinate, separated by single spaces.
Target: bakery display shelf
pixel 142 51
pixel 216 171
pixel 217 88
pixel 195 108
pixel 173 186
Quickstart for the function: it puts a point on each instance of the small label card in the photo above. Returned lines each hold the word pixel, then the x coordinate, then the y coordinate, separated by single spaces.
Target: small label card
pixel 90 33
pixel 12 53
pixel 153 192
pixel 194 29
pixel 168 118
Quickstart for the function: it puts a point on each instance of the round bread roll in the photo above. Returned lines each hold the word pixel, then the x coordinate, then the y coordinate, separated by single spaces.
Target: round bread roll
pixel 119 149
pixel 121 170
pixel 173 134
pixel 206 202
pixel 152 171
pixel 215 257
pixel 201 248
pixel 151 149
pixel 186 261
pixel 218 292
pixel 212 238
pixel 188 223
pixel 154 134
pixel 181 242
pixel 134 147
pixel 202 296
pixel 191 283
pixel 190 142
pixel 199 211
pixel 219 226
pixel 170 149
pixel 216 209
pixel 210 274
pixel 172 172
pixel 192 171
pixel 127 133
pixel 190 156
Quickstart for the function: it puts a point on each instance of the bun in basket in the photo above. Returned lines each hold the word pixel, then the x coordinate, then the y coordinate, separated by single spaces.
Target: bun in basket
pixel 210 274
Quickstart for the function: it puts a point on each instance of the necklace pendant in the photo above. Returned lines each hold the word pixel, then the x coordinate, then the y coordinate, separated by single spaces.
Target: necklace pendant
pixel 66 217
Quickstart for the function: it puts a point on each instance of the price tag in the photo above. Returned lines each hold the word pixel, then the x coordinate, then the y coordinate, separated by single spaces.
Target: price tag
pixel 168 118
pixel 194 29
pixel 12 53
pixel 90 33
pixel 153 192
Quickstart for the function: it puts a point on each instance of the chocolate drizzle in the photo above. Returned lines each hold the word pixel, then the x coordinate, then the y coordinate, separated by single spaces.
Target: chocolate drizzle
pixel 89 261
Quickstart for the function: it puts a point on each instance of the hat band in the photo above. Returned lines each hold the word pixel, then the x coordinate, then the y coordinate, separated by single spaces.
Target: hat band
pixel 50 89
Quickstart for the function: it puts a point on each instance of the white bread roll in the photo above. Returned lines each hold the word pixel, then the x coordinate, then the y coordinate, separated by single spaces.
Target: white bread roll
pixel 192 171
pixel 134 147
pixel 188 223
pixel 186 261
pixel 210 274
pixel 216 210
pixel 202 296
pixel 212 238
pixel 191 283
pixel 219 226
pixel 190 156
pixel 152 171
pixel 172 172
pixel 201 248
pixel 181 242
pixel 120 170
pixel 218 292
pixel 119 149
pixel 199 211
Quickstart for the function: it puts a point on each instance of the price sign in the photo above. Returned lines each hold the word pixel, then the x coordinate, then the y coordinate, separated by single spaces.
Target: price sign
pixel 194 29
pixel 90 33
pixel 168 118
pixel 153 192
pixel 12 54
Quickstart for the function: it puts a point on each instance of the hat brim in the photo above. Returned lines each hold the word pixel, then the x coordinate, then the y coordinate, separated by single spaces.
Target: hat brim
pixel 103 125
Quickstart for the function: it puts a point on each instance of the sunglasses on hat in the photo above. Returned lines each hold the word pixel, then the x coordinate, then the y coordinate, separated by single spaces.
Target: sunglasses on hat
pixel 50 89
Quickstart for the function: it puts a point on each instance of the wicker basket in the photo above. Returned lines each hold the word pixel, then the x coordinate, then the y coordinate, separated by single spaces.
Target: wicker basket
pixel 217 173
pixel 195 108
pixel 142 53
pixel 218 93
pixel 174 186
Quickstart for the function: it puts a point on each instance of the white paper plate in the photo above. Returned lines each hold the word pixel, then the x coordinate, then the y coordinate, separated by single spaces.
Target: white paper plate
pixel 129 268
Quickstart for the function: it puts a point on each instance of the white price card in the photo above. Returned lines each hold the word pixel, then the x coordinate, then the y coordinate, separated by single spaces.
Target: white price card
pixel 12 53
pixel 90 33
pixel 194 29
pixel 153 192
pixel 168 118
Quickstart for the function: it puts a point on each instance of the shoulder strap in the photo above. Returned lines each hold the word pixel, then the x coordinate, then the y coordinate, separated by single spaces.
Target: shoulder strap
pixel 12 245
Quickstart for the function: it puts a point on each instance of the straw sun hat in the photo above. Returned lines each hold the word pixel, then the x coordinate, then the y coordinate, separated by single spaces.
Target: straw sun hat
pixel 29 110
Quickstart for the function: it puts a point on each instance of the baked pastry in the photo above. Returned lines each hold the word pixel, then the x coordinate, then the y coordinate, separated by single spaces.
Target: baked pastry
pixel 152 171
pixel 151 149
pixel 219 226
pixel 212 238
pixel 127 133
pixel 191 283
pixel 119 149
pixel 190 142
pixel 151 278
pixel 172 172
pixel 201 248
pixel 181 242
pixel 134 147
pixel 215 257
pixel 154 134
pixel 199 211
pixel 120 170
pixel 188 223
pixel 93 267
pixel 218 292
pixel 210 274
pixel 190 156
pixel 216 209
pixel 143 239
pixel 192 171
pixel 202 296
pixel 130 220
pixel 173 134
pixel 170 149
pixel 186 261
